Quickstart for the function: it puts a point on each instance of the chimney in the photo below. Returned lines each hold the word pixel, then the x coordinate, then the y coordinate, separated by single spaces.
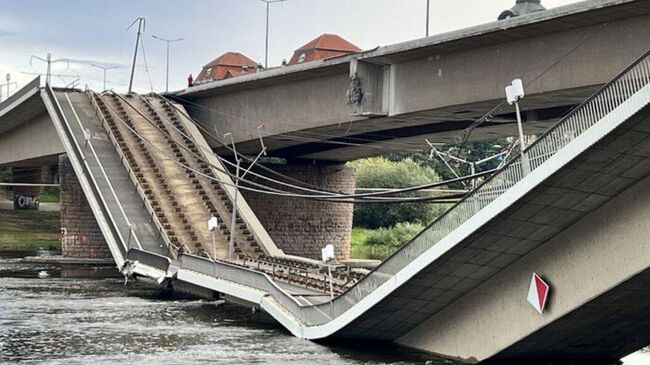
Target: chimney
pixel 522 7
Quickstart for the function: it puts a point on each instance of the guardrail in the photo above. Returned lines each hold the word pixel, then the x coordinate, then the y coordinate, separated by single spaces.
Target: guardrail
pixel 150 259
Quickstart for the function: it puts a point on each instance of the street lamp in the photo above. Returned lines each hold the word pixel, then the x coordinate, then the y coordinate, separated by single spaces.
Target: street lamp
pixel 105 68
pixel 428 7
pixel 266 53
pixel 328 256
pixel 168 42
pixel 514 93
pixel 213 224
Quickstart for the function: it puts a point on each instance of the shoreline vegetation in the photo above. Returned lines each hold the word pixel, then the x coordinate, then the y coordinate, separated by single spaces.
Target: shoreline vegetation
pixel 29 230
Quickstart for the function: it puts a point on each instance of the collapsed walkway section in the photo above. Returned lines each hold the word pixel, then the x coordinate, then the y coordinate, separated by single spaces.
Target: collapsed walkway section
pixel 592 156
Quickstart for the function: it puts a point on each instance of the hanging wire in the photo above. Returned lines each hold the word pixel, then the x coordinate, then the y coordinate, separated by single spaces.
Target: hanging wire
pixel 278 192
pixel 466 134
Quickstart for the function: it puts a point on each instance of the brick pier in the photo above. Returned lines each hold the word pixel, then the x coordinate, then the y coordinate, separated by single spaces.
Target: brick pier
pixel 81 236
pixel 302 227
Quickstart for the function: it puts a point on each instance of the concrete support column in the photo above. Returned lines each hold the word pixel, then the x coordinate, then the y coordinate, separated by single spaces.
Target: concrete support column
pixel 302 227
pixel 80 234
pixel 26 197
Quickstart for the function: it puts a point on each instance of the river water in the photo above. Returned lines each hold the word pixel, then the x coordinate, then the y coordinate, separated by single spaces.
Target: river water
pixel 74 316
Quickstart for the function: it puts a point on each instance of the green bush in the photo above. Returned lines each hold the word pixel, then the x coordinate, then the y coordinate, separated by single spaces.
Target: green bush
pixel 378 172
pixel 395 236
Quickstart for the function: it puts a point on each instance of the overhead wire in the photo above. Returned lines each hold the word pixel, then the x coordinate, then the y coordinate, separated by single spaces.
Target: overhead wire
pixel 466 134
pixel 209 151
pixel 308 196
pixel 209 134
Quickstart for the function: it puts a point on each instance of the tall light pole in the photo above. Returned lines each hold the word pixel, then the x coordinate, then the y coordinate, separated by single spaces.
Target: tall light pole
pixel 428 13
pixel 104 68
pixel 168 42
pixel 268 6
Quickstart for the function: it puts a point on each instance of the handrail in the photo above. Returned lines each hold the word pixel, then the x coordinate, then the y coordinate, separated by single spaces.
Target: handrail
pixel 592 97
pixel 86 169
pixel 108 182
pixel 93 96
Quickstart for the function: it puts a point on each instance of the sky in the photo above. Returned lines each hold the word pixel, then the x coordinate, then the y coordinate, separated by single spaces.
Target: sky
pixel 86 32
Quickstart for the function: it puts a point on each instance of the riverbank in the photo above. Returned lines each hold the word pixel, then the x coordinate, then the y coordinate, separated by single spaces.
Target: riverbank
pixel 24 230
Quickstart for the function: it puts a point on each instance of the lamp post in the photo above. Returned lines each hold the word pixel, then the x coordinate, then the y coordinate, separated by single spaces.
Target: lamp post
pixel 104 68
pixel 266 52
pixel 428 7
pixel 514 93
pixel 213 223
pixel 168 42
pixel 327 255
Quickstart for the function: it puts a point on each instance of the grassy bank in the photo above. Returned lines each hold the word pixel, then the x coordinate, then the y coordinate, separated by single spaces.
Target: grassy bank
pixel 361 250
pixel 29 230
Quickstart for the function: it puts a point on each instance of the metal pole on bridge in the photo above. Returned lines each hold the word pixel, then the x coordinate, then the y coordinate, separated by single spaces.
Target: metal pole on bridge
pixel 168 42
pixel 266 52
pixel 141 24
pixel 514 93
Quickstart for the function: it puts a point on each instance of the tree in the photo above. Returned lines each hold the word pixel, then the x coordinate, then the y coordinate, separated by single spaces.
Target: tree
pixel 379 172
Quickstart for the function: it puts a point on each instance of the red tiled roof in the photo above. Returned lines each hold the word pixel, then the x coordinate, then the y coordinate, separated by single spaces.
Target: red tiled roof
pixel 229 64
pixel 232 59
pixel 325 46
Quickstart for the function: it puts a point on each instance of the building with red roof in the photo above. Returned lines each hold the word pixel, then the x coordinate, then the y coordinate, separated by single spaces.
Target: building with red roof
pixel 325 46
pixel 228 65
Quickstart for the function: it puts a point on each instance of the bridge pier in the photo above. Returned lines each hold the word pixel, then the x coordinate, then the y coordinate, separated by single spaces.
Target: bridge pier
pixel 303 227
pixel 80 234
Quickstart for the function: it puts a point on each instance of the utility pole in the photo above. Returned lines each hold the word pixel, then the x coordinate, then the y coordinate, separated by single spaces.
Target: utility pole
pixel 105 68
pixel 168 42
pixel 141 25
pixel 266 53
pixel 49 61
pixel 428 13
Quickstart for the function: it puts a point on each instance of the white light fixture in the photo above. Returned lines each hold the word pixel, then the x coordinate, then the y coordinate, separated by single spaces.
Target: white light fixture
pixel 515 91
pixel 213 223
pixel 328 253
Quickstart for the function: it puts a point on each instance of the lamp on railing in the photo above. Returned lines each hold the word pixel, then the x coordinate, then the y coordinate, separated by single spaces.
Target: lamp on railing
pixel 514 93
pixel 213 224
pixel 327 254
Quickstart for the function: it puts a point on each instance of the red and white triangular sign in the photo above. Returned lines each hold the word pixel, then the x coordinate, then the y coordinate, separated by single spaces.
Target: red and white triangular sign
pixel 538 293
